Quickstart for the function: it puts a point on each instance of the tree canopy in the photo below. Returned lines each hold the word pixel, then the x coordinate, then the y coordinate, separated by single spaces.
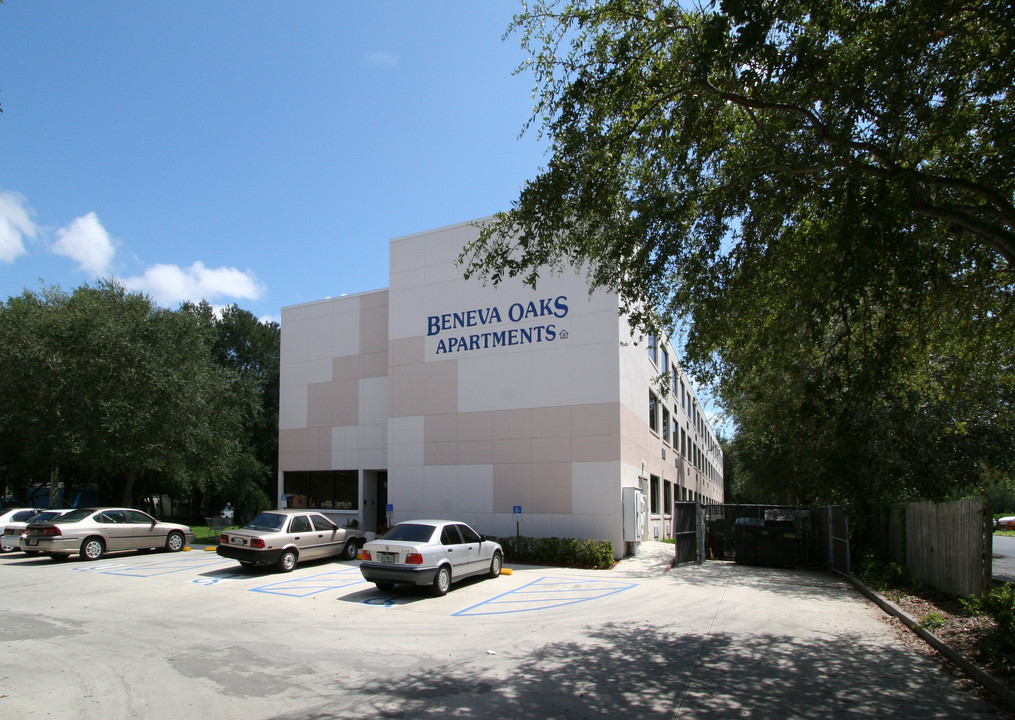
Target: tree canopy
pixel 119 394
pixel 816 197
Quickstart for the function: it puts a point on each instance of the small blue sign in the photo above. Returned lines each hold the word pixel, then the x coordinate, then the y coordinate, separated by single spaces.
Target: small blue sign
pixel 389 507
pixel 518 510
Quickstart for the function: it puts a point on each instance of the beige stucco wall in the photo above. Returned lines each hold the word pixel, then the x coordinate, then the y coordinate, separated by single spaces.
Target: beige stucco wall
pixel 550 415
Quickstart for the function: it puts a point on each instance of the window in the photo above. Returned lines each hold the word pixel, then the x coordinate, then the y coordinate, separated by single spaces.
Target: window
pixel 652 349
pixel 468 534
pixel 299 524
pixel 667 497
pixel 653 412
pixel 327 489
pixel 666 424
pixel 450 536
pixel 665 364
pixel 322 523
pixel 676 429
pixel 654 504
pixel 683 443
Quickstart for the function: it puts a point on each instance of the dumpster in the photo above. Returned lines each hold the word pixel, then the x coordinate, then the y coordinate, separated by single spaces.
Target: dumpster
pixel 771 543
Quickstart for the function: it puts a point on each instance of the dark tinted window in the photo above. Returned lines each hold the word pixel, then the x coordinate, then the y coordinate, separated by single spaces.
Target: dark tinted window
pixel 412 532
pixel 450 536
pixel 468 534
pixel 23 516
pixel 267 521
pixel 136 516
pixel 112 516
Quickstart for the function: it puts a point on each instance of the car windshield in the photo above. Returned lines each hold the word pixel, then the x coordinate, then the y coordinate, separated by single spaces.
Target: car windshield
pixel 75 515
pixel 267 521
pixel 411 532
pixel 44 516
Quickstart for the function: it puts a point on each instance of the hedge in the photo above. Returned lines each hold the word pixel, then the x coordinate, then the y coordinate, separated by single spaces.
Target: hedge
pixel 566 552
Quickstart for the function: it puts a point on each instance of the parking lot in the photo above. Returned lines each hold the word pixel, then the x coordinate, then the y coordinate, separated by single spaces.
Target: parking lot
pixel 193 635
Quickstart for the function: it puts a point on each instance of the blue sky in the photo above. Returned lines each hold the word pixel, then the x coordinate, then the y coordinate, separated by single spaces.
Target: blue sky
pixel 257 153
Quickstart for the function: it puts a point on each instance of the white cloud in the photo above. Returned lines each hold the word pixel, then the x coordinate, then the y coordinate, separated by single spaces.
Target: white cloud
pixel 381 59
pixel 171 284
pixel 15 224
pixel 87 243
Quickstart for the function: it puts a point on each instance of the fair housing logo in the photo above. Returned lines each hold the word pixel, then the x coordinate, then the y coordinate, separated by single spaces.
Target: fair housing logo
pixel 453 324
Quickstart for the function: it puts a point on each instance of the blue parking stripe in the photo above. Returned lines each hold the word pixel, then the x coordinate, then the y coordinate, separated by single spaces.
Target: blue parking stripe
pixel 324 582
pixel 166 567
pixel 548 592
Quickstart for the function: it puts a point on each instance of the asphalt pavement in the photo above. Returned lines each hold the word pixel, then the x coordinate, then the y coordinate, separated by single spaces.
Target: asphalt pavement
pixel 190 635
pixel 1003 561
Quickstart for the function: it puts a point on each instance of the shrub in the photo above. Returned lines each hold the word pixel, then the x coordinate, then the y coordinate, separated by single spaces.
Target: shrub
pixel 567 552
pixel 882 575
pixel 999 603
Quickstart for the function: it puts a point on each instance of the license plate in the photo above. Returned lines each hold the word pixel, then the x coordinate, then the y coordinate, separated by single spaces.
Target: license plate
pixel 387 557
pixel 237 541
pixel 32 541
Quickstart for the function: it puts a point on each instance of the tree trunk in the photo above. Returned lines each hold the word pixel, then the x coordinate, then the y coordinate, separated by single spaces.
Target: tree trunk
pixel 54 487
pixel 127 499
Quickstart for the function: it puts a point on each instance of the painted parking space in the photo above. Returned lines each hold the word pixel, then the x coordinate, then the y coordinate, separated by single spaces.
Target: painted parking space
pixel 169 566
pixel 547 592
pixel 313 584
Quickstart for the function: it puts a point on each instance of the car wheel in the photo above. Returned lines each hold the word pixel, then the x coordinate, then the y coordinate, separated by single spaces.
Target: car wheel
pixel 350 550
pixel 92 548
pixel 385 586
pixel 6 549
pixel 174 542
pixel 288 561
pixel 442 581
pixel 496 564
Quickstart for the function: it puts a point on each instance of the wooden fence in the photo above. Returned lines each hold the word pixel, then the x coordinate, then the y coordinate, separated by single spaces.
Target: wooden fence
pixel 949 545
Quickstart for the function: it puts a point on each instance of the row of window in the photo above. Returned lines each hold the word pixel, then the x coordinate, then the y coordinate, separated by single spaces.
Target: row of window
pixel 668 487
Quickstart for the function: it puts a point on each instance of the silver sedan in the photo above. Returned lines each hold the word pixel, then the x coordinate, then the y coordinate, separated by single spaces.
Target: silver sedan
pixel 91 532
pixel 430 552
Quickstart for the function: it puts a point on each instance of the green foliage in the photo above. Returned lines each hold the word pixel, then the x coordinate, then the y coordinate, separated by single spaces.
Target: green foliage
pixel 819 196
pixel 566 552
pixel 108 389
pixel 883 576
pixel 932 621
pixel 999 604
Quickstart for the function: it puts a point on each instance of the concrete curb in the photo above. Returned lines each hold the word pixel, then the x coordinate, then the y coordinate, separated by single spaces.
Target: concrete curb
pixel 990 683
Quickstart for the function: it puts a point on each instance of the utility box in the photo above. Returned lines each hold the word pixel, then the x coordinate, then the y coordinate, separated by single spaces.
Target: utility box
pixel 635 515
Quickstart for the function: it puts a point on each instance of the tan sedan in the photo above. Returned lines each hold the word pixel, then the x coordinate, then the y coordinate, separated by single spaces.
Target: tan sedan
pixel 91 532
pixel 284 537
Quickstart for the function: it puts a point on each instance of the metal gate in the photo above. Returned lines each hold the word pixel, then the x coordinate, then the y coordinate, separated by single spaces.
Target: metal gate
pixel 689 532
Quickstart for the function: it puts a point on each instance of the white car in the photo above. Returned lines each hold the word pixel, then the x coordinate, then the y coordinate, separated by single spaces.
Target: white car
pixel 13 531
pixel 429 552
pixel 15 515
